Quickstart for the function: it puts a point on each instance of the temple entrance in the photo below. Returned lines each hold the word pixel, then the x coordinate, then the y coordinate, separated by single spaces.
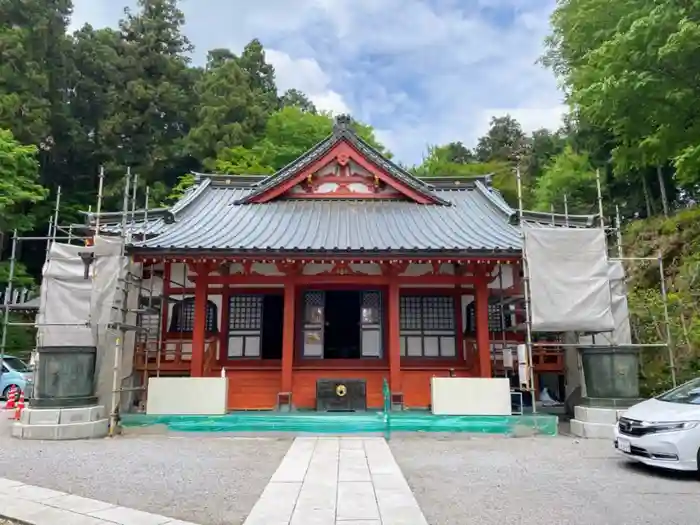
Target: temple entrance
pixel 342 330
pixel 272 323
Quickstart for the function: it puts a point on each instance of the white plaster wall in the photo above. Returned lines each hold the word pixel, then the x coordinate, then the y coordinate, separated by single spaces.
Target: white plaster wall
pixel 187 396
pixel 180 276
pixel 470 396
pixel 506 276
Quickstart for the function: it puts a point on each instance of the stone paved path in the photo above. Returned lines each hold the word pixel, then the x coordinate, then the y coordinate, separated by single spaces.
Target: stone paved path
pixel 40 506
pixel 337 481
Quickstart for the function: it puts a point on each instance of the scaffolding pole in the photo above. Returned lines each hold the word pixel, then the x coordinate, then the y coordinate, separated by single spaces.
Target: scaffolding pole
pixel 118 347
pixel 6 301
pixel 526 293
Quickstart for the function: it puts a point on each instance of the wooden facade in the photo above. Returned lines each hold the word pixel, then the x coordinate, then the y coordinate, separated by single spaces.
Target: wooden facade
pixel 418 312
pixel 342 265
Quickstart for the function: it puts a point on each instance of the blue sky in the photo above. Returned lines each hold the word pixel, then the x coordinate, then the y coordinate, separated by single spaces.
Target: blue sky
pixel 420 71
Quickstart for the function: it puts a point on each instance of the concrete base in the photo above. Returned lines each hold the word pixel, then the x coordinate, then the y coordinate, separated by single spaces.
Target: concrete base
pixel 596 423
pixel 62 423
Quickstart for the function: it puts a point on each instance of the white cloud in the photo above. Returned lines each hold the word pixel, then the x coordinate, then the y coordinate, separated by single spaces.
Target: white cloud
pixel 421 71
pixel 306 75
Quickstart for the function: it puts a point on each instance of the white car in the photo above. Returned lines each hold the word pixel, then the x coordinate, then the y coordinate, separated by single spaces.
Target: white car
pixel 664 431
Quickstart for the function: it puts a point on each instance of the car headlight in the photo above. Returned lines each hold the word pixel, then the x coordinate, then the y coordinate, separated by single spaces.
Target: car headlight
pixel 673 426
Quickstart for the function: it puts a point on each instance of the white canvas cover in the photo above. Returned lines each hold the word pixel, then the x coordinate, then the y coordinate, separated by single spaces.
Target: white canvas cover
pixel 75 311
pixel 569 283
pixel 622 333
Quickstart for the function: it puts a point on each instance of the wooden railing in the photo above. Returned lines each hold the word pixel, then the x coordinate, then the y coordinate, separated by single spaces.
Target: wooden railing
pixel 543 360
pixel 175 356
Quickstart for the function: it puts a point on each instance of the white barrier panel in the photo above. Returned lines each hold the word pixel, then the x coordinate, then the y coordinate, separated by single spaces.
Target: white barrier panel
pixel 470 396
pixel 190 396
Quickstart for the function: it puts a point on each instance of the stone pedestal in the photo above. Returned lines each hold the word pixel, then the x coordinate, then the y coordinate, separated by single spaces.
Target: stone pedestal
pixel 593 422
pixel 62 423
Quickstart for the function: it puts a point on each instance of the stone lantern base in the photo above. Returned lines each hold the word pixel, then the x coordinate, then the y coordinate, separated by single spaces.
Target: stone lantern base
pixel 611 376
pixel 62 423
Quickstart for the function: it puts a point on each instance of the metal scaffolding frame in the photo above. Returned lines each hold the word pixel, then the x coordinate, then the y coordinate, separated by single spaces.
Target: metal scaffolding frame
pixel 148 303
pixel 527 292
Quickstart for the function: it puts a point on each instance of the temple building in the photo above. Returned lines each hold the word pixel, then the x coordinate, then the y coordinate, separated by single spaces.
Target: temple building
pixel 342 265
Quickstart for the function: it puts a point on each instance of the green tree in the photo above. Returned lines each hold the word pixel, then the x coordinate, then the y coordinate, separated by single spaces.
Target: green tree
pixel 261 74
pixel 631 67
pixel 297 99
pixel 229 113
pixel 150 110
pixel 504 141
pixel 289 133
pixel 19 187
pixel 569 174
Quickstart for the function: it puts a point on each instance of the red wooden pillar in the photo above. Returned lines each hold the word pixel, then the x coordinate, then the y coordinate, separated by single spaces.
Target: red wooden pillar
pixel 482 327
pixel 288 336
pixel 393 337
pixel 200 324
pixel 165 306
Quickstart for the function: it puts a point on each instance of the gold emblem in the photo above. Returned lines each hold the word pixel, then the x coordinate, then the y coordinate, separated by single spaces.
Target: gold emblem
pixel 341 390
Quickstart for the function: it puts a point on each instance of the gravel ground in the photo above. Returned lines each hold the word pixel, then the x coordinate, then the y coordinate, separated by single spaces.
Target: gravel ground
pixel 540 481
pixel 208 479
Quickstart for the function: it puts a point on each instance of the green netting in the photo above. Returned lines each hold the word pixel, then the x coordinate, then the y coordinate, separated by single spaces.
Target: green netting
pixel 381 422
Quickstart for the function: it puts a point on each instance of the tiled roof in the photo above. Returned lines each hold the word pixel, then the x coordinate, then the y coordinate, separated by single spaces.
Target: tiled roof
pixel 215 218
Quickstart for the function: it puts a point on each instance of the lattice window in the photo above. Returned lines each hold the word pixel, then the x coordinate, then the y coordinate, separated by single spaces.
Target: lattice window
pixel 182 319
pixel 411 312
pixel 314 303
pixel 497 322
pixel 245 312
pixel 427 325
pixel 371 308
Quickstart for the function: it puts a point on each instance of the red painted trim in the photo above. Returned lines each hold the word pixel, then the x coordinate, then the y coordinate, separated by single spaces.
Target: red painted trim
pixel 342 148
pixel 345 195
pixel 339 286
pixel 146 257
pixel 417 363
pixel 341 364
pixel 250 363
pixel 339 280
pixel 199 334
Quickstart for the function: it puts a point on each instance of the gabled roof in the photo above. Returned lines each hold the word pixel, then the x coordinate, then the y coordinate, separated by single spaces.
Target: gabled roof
pixel 215 218
pixel 344 134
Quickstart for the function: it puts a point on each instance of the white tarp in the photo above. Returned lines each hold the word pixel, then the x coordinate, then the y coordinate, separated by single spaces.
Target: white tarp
pixel 65 308
pixel 622 333
pixel 75 311
pixel 569 283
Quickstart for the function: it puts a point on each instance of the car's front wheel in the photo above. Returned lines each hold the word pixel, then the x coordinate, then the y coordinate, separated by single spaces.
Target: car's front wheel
pixel 6 392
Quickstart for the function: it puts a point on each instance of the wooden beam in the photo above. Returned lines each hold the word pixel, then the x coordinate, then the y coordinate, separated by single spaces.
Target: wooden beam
pixel 367 280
